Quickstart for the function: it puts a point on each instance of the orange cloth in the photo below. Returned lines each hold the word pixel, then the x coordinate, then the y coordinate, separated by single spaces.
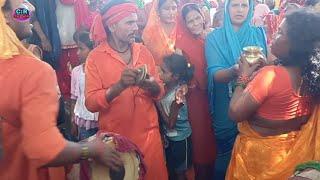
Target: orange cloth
pixel 272 88
pixel 118 12
pixel 132 114
pixel 113 15
pixel 203 141
pixel 97 32
pixel 155 38
pixel 274 157
pixel 29 106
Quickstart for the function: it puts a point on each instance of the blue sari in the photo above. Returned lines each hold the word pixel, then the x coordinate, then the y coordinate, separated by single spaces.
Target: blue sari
pixel 222 49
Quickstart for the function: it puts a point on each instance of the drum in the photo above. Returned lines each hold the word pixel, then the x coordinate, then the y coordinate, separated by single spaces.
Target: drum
pixel 134 167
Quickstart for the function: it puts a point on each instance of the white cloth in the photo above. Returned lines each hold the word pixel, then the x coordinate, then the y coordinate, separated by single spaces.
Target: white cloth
pixel 77 92
pixel 66 22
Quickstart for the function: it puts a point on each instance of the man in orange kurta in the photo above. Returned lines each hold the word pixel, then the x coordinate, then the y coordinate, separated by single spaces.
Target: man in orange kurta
pixel 27 85
pixel 125 107
pixel 29 130
pixel 28 111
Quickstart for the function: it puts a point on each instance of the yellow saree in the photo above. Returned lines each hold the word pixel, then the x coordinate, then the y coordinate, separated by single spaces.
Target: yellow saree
pixel 274 157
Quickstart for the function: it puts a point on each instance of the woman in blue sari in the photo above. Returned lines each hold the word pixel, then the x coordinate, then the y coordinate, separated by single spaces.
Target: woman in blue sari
pixel 223 49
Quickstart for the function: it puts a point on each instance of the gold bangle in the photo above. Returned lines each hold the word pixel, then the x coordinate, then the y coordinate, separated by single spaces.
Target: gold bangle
pixel 84 152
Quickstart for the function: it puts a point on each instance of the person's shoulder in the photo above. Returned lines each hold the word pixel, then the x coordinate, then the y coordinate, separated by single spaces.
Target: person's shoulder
pixel 32 68
pixel 215 33
pixel 269 71
pixel 265 75
pixel 32 64
pixel 77 68
pixel 100 49
pixel 142 48
pixel 269 68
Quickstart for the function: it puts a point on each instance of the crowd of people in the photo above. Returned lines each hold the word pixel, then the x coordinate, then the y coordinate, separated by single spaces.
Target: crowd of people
pixel 169 83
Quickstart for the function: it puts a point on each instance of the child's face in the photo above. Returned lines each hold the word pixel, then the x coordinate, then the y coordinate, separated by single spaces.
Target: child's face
pixel 83 52
pixel 165 75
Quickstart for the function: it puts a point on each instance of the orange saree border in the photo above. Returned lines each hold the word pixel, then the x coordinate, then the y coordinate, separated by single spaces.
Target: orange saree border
pixel 274 157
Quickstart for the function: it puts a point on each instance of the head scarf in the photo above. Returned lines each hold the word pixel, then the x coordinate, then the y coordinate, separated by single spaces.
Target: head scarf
pixel 227 44
pixel 223 48
pixel 10 45
pixel 112 16
pixel 154 37
pixel 194 53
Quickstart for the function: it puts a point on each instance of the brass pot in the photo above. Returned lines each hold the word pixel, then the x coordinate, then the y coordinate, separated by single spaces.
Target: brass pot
pixel 252 54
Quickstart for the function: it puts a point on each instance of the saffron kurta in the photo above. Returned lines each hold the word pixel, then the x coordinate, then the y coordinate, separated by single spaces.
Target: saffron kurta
pixel 29 107
pixel 131 114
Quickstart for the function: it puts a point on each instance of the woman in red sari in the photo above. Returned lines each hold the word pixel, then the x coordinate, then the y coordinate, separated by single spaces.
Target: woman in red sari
pixel 191 33
pixel 159 35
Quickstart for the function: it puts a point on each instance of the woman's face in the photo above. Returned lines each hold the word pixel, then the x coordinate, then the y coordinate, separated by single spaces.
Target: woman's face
pixel 195 22
pixel 168 12
pixel 280 44
pixel 238 10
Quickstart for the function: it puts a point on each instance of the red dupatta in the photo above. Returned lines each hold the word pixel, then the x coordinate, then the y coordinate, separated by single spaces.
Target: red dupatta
pixel 84 17
pixel 155 38
pixel 193 48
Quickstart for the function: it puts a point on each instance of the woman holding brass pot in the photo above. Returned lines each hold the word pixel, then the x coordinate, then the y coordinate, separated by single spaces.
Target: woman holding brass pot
pixel 277 110
pixel 223 49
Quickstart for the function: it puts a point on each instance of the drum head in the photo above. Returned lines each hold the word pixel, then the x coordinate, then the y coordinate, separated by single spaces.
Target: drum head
pixel 130 171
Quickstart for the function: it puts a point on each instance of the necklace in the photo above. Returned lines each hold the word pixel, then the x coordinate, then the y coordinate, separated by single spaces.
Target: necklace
pixel 121 52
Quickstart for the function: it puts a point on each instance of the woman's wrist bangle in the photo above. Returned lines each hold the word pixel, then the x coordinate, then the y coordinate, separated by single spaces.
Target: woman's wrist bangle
pixel 242 81
pixel 84 155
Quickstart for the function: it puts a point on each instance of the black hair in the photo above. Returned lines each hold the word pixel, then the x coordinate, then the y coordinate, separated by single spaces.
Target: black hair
pixel 7 6
pixel 291 7
pixel 190 7
pixel 271 6
pixel 161 2
pixel 83 37
pixel 219 12
pixel 178 65
pixel 303 34
pixel 311 2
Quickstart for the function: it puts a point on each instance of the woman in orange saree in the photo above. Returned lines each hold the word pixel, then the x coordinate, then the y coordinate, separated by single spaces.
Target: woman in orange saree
pixel 278 113
pixel 159 34
pixel 191 30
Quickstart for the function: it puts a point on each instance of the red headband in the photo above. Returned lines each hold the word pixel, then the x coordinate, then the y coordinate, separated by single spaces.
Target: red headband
pixel 118 12
pixel 112 16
